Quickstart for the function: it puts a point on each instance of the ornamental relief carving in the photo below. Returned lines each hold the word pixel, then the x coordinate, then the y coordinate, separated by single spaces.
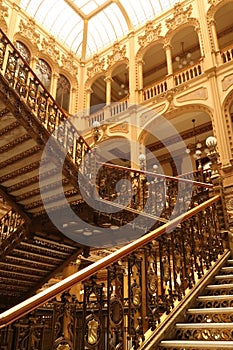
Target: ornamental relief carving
pixel 68 63
pixel 117 55
pixel 198 94
pixel 227 82
pixel 3 15
pixel 97 66
pixel 49 47
pixel 151 34
pixel 214 2
pixel 28 30
pixel 180 15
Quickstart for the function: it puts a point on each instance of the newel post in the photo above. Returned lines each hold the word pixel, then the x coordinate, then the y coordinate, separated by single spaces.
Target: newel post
pixel 217 182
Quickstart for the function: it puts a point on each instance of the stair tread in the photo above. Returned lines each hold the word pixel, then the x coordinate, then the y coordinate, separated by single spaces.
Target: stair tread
pixel 211 310
pixel 219 286
pixel 224 276
pixel 215 297
pixel 204 325
pixel 228 344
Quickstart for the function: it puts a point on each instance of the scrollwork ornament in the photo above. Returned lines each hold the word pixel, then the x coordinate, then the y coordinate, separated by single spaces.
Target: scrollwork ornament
pixel 151 34
pixel 3 15
pixel 28 30
pixel 117 55
pixel 97 66
pixel 49 47
pixel 180 16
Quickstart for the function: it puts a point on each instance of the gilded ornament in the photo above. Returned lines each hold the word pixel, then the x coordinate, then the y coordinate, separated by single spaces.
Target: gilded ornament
pixel 180 16
pixel 151 34
pixel 49 47
pixel 117 55
pixel 97 66
pixel 28 30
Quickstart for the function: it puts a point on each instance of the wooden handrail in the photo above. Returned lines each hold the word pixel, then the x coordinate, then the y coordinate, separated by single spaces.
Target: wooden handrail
pixel 153 174
pixel 41 298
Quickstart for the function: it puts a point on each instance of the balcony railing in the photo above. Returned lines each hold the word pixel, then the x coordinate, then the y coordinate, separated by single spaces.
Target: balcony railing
pixel 188 74
pixel 9 224
pixel 109 111
pixel 227 54
pixel 154 90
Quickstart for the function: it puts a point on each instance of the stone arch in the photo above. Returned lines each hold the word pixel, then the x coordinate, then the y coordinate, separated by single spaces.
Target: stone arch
pixel 34 50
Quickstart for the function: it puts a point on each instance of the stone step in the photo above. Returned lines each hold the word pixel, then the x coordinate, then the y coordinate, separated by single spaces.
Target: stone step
pixel 210 310
pixel 215 297
pixel 195 344
pixel 220 277
pixel 219 286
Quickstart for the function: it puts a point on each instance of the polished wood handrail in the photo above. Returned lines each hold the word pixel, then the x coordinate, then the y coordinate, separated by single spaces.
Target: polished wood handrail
pixel 41 298
pixel 153 174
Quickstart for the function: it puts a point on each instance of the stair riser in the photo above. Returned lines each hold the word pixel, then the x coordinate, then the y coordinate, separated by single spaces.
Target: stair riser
pixel 205 334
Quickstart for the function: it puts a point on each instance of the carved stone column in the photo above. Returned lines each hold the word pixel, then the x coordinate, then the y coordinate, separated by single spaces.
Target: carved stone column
pixel 53 89
pixel 168 51
pixel 215 41
pixel 108 81
pixel 88 100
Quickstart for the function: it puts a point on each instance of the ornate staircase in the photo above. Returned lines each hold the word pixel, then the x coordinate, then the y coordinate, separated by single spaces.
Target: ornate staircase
pixel 208 323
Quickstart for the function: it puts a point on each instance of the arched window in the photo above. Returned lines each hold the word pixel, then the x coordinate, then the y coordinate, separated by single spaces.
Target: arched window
pixel 44 73
pixel 63 92
pixel 24 51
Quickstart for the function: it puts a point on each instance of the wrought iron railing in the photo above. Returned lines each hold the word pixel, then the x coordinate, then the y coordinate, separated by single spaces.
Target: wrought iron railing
pixel 9 224
pixel 32 92
pixel 126 293
pixel 158 195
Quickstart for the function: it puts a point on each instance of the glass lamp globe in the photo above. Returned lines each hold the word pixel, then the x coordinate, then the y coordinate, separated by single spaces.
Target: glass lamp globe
pixel 211 142
pixel 96 124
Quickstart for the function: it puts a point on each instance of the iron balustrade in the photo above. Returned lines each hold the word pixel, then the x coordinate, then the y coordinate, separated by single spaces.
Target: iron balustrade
pixel 125 294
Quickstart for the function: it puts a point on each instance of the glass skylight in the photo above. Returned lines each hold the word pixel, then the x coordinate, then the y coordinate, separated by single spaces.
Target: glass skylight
pixel 64 19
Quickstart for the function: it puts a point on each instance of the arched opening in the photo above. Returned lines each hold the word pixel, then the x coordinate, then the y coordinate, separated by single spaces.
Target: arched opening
pixel 120 83
pixel 185 49
pixel 155 65
pixel 224 29
pixel 224 25
pixel 98 94
pixel 63 92
pixel 168 153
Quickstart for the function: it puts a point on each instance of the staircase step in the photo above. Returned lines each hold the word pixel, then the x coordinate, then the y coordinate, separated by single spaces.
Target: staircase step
pixel 211 310
pixel 204 331
pixel 203 325
pixel 220 277
pixel 219 286
pixel 195 344
pixel 214 297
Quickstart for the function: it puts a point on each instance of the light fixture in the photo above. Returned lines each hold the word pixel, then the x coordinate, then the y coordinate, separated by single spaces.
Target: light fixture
pixel 195 148
pixel 184 59
pixel 123 87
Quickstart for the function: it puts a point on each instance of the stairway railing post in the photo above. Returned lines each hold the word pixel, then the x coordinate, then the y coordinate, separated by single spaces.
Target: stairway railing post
pixel 217 182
